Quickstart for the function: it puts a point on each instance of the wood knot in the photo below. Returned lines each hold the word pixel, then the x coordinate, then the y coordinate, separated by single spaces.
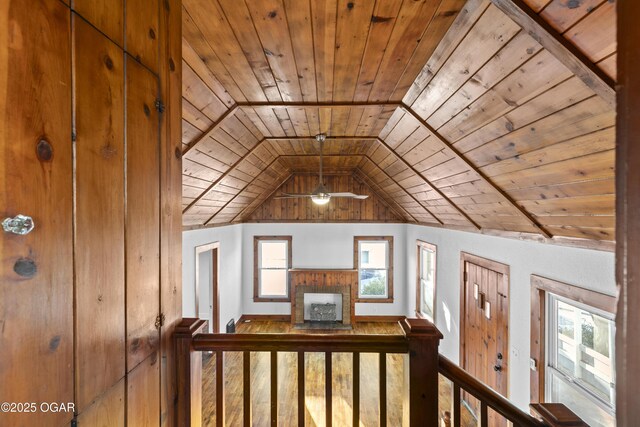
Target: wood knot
pixel 573 4
pixel 54 343
pixel 147 110
pixel 108 62
pixel 178 153
pixel 273 14
pixel 25 267
pixel 376 19
pixel 152 34
pixel 44 150
pixel 350 5
pixel 100 298
pixel 172 65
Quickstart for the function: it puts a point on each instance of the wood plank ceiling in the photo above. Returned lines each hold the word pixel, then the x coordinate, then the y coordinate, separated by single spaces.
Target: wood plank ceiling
pixel 488 115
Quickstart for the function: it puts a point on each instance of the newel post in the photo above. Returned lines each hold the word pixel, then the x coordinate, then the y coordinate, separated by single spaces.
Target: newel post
pixel 421 373
pixel 189 376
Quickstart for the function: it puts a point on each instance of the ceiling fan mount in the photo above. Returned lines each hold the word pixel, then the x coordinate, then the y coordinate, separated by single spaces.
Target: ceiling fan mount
pixel 321 195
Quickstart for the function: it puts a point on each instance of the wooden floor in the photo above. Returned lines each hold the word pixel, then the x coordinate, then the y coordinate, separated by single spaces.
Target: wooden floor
pixel 314 383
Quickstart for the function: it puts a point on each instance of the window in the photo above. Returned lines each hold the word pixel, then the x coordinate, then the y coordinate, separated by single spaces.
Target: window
pixel 580 367
pixel 373 257
pixel 272 260
pixel 426 283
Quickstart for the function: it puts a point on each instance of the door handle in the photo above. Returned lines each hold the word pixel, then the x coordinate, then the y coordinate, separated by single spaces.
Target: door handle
pixel 21 224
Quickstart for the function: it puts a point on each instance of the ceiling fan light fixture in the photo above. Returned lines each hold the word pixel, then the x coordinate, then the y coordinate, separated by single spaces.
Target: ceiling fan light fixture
pixel 321 198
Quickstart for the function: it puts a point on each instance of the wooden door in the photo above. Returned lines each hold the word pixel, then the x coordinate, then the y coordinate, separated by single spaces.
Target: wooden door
pixel 484 327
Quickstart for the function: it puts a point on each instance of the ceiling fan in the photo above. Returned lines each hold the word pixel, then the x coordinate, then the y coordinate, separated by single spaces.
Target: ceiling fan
pixel 321 195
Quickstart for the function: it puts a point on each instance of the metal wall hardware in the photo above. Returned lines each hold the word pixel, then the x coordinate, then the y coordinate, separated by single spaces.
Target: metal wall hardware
pixel 20 224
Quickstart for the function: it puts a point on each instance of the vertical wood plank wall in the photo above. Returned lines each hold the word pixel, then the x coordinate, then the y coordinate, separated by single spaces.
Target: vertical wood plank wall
pixel 89 299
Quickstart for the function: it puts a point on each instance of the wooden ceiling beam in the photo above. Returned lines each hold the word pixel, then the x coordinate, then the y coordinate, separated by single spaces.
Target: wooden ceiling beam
pixel 364 178
pixel 276 188
pixel 406 192
pixel 479 173
pixel 433 187
pixel 317 104
pixel 569 55
pixel 313 138
pixel 357 178
pixel 230 112
pixel 223 176
pixel 397 209
pixel 240 192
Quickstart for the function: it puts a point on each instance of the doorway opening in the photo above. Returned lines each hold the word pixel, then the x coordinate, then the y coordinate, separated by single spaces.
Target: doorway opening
pixel 207 294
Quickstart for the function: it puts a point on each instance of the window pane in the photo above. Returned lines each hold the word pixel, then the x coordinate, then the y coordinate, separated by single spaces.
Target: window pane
pixel 581 350
pixel 563 392
pixel 373 282
pixel 376 254
pixel 273 282
pixel 273 254
pixel 426 303
pixel 427 281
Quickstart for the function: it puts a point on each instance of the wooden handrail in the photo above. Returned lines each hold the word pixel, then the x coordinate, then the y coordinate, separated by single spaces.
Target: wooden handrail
pixel 485 394
pixel 419 342
pixel 302 342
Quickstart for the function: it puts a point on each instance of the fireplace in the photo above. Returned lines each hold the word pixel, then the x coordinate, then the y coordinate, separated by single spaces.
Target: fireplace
pixel 306 281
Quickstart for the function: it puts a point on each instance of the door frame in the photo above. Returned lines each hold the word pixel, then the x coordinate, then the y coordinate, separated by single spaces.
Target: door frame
pixel 214 248
pixel 501 268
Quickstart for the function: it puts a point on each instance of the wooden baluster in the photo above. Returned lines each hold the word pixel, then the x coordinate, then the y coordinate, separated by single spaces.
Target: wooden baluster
pixel 328 382
pixel 457 422
pixel 383 389
pixel 189 368
pixel 446 419
pixel 484 414
pixel 246 391
pixel 301 390
pixel 356 389
pixel 274 389
pixel 219 389
pixel 422 393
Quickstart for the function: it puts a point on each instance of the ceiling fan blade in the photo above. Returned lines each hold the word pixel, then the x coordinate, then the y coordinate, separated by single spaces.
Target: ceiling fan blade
pixel 351 195
pixel 297 194
pixel 292 196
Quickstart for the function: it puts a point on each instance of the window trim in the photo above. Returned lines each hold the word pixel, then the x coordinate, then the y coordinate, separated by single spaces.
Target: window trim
pixel 356 266
pixel 256 268
pixel 420 244
pixel 540 286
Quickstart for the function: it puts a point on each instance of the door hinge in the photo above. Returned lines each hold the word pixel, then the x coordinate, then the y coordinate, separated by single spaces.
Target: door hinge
pixel 160 320
pixel 160 106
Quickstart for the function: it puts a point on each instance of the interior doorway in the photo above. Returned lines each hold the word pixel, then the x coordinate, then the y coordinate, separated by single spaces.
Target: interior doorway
pixel 484 324
pixel 207 294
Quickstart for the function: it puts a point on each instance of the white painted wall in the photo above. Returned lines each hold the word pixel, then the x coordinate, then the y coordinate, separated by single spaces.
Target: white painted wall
pixel 331 246
pixel 586 268
pixel 325 246
pixel 229 270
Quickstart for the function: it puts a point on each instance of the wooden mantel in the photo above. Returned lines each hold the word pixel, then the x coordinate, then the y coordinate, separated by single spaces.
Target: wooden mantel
pixel 344 281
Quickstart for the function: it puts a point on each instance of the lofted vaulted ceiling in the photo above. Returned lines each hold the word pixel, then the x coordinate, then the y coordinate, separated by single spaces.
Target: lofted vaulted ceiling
pixel 487 115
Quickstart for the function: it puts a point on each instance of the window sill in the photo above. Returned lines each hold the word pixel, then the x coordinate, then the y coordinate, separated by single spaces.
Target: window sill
pixel 375 300
pixel 260 299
